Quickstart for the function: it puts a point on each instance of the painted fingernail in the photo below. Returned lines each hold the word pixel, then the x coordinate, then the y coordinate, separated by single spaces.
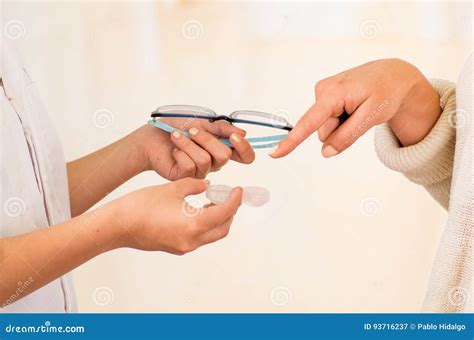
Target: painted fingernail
pixel 329 151
pixel 235 137
pixel 193 131
pixel 176 134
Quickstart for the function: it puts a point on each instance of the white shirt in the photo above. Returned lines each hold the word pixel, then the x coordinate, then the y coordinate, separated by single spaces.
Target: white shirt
pixel 34 178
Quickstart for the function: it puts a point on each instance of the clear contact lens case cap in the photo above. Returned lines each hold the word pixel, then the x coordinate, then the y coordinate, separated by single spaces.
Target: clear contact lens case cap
pixel 253 196
pixel 256 196
pixel 218 193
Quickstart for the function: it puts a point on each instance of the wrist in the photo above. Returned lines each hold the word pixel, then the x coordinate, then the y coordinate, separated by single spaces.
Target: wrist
pixel 417 114
pixel 104 227
pixel 142 140
pixel 138 148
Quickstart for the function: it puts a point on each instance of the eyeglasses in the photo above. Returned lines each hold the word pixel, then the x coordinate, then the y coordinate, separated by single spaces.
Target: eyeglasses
pixel 253 118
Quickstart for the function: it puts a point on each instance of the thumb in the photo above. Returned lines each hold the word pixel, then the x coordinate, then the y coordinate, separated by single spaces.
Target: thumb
pixel 190 186
pixel 215 215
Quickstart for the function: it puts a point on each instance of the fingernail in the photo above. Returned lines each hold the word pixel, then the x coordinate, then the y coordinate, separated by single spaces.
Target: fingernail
pixel 176 134
pixel 193 131
pixel 175 150
pixel 243 131
pixel 329 151
pixel 208 182
pixel 273 150
pixel 235 137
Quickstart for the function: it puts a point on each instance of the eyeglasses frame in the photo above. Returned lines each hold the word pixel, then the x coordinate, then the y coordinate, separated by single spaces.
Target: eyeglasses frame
pixel 255 142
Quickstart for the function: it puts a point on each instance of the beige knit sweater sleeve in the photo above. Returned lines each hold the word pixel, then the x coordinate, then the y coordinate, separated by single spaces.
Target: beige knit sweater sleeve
pixel 429 162
pixel 443 163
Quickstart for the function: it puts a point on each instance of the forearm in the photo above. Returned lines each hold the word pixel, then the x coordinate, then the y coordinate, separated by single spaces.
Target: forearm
pixel 42 256
pixel 92 177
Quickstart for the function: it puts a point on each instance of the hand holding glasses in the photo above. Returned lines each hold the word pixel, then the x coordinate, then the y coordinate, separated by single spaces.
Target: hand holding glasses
pixel 256 122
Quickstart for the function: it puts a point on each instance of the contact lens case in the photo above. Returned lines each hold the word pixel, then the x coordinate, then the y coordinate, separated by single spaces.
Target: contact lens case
pixel 253 196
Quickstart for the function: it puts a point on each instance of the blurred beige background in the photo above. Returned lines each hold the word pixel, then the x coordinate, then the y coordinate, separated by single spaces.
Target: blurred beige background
pixel 340 235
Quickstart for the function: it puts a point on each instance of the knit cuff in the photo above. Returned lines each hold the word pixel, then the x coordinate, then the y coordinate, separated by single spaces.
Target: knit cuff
pixel 429 161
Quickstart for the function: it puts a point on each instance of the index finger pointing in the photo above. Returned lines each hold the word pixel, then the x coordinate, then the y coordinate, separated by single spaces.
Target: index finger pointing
pixel 317 114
